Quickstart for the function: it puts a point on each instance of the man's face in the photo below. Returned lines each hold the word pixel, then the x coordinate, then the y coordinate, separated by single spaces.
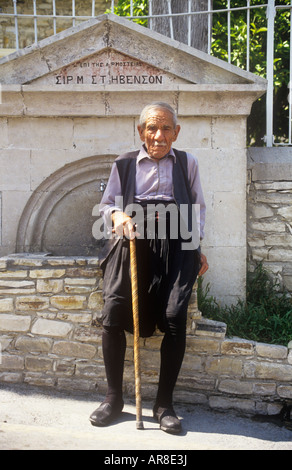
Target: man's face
pixel 158 133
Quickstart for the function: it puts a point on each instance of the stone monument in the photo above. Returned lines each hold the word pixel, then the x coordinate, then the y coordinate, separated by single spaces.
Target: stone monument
pixel 70 104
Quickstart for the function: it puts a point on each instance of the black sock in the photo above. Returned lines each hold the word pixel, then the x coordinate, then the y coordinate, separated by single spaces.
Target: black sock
pixel 172 354
pixel 114 347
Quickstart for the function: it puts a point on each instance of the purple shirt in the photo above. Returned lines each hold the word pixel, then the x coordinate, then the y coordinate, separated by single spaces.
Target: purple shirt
pixel 154 181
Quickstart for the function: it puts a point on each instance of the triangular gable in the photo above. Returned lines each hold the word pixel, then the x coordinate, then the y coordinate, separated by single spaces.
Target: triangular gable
pixel 109 67
pixel 110 34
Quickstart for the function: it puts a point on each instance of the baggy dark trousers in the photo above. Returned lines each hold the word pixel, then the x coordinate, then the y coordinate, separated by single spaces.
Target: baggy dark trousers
pixel 166 275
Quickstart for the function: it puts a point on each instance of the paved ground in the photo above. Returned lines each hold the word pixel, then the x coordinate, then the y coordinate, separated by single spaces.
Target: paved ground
pixel 34 419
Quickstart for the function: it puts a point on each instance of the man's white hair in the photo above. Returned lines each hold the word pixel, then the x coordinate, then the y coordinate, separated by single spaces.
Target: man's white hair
pixel 153 107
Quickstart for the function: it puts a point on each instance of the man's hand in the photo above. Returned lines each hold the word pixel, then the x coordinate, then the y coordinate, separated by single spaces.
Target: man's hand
pixel 204 265
pixel 123 225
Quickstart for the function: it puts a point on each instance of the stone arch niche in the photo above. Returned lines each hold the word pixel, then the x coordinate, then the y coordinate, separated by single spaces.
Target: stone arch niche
pixel 58 217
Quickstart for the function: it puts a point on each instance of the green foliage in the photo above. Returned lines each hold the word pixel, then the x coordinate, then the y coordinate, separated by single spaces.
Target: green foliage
pixel 258 62
pixel 140 8
pixel 265 316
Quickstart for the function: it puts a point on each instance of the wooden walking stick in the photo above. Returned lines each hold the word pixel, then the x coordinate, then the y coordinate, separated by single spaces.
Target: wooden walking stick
pixel 134 284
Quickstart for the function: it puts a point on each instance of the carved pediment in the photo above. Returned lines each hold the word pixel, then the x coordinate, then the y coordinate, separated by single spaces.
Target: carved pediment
pixel 109 67
pixel 109 39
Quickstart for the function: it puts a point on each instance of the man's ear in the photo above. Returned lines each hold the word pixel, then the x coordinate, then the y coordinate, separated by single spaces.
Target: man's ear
pixel 176 132
pixel 141 132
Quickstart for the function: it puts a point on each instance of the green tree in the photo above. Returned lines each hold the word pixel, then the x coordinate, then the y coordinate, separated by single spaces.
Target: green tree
pixel 258 59
pixel 140 8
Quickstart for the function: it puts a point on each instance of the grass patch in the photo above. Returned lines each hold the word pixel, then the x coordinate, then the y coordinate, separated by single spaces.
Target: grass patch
pixel 265 316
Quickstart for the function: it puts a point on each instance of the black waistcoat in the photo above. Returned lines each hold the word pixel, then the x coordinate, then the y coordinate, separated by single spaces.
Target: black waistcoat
pixel 126 165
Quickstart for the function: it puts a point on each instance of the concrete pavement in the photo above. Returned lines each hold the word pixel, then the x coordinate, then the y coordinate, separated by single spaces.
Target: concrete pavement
pixel 42 419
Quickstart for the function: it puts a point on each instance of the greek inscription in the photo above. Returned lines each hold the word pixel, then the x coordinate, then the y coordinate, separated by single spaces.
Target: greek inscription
pixel 110 69
pixel 113 79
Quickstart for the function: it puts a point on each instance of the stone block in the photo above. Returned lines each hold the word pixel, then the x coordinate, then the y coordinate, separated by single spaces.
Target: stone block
pixel 13 203
pixel 235 387
pixel 237 346
pixel 20 274
pixel 228 366
pixel 41 133
pixel 261 211
pixel 265 388
pixel 95 301
pixel 61 260
pixel 87 335
pixel 271 226
pixel 63 367
pixel 273 371
pixel 188 139
pixel 286 212
pixel 39 379
pixel 15 167
pixel 3 131
pixel 3 264
pixel 205 327
pixel 11 104
pixel 74 349
pixel 92 134
pixel 16 286
pixel 6 305
pixel 46 273
pixel 192 363
pixel 232 262
pixel 202 344
pixel 229 131
pixel 279 254
pixel 51 328
pixel 11 362
pixel 84 272
pixel 278 239
pixel 14 323
pixel 79 281
pixel 33 302
pixel 38 364
pixel 77 384
pixel 70 302
pixel 5 342
pixel 271 351
pixel 285 391
pixel 87 370
pixel 30 344
pixel 77 289
pixel 49 285
pixel 226 222
pixel 11 377
pixel 75 317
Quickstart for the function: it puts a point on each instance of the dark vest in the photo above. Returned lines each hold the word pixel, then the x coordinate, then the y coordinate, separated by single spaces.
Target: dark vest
pixel 126 165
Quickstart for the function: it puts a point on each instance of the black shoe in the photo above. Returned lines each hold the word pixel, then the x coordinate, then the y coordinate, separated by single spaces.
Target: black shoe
pixel 167 419
pixel 105 414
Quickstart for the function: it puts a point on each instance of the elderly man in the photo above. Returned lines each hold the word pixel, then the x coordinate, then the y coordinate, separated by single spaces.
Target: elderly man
pixel 154 176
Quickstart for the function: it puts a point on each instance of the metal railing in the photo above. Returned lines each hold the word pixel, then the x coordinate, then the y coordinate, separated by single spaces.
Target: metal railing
pixel 271 7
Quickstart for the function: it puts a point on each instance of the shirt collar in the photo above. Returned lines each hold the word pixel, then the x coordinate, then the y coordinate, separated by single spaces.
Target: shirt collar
pixel 143 154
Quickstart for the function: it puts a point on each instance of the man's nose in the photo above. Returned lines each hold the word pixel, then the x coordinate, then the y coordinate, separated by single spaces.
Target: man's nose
pixel 159 135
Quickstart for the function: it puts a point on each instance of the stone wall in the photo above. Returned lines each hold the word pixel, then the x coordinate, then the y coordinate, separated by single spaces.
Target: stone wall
pixel 269 214
pixel 50 336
